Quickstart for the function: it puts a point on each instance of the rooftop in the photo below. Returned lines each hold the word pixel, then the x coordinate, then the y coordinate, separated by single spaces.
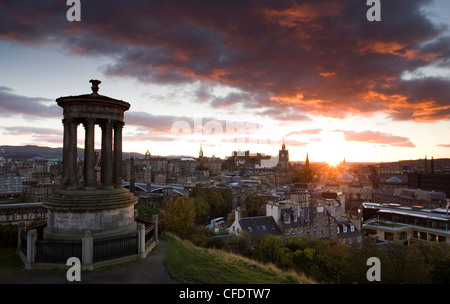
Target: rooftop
pixel 259 226
pixel 416 211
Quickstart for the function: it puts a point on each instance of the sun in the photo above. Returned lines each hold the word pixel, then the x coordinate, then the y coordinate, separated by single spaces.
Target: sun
pixel 333 163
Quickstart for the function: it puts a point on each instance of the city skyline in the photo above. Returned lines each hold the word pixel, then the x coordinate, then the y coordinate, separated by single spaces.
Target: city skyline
pixel 236 76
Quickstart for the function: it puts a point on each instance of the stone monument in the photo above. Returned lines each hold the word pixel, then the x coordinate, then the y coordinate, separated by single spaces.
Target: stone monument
pixel 88 203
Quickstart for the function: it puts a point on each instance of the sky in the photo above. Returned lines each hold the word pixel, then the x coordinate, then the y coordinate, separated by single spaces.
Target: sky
pixel 236 75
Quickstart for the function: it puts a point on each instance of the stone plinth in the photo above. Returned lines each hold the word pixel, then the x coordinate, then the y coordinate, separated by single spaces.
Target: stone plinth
pixel 103 212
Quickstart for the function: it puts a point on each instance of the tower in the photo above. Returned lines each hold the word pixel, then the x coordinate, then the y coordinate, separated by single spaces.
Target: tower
pixel 103 207
pixel 308 173
pixel 283 156
pixel 200 154
pixel 147 154
pixel 282 171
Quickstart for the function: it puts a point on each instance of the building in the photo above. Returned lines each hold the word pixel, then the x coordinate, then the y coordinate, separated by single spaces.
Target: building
pixel 405 225
pixel 348 233
pixel 11 184
pixel 357 191
pixel 302 221
pixel 257 226
pixel 334 202
pixel 430 181
pixel 410 197
pixel 283 171
pixel 394 182
pixel 39 188
pixel 14 213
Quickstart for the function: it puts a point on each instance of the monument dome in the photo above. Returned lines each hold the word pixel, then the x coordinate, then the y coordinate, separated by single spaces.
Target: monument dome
pixel 345 177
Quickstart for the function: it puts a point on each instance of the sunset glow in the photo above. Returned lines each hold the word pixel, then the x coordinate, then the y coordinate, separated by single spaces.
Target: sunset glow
pixel 236 76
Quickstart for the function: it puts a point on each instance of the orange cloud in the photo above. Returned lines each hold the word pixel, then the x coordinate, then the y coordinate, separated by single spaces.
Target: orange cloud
pixel 377 138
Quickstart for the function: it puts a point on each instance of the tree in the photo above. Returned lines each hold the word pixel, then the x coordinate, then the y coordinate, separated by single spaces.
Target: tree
pixel 179 216
pixel 216 202
pixel 201 207
pixel 217 199
pixel 270 249
pixel 253 204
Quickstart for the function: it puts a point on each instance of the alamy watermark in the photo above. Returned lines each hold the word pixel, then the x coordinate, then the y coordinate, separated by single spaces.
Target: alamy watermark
pixel 74 12
pixel 229 131
pixel 374 272
pixel 74 272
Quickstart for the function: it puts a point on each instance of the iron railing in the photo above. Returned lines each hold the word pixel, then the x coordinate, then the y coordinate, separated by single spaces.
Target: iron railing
pixel 113 247
pixel 57 251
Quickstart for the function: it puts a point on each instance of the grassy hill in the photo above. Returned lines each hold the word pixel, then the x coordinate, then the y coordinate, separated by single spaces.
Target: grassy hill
pixel 187 263
pixel 33 151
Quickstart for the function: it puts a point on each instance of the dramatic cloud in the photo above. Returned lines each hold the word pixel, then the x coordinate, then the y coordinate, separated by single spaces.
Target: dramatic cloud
pixel 30 107
pixel 153 123
pixel 22 130
pixel 377 138
pixel 288 59
pixel 304 132
pixel 37 135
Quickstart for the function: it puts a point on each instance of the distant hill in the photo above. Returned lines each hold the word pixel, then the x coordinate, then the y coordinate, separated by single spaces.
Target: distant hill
pixel 30 151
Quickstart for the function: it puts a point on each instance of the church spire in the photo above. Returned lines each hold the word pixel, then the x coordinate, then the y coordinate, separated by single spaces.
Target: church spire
pixel 200 154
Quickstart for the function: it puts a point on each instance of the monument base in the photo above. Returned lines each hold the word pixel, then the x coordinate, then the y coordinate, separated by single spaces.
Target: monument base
pixel 103 212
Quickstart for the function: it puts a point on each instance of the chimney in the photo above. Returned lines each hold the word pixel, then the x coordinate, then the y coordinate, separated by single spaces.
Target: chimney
pixel 319 208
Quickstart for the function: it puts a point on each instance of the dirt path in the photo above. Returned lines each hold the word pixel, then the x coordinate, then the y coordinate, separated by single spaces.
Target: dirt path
pixel 151 270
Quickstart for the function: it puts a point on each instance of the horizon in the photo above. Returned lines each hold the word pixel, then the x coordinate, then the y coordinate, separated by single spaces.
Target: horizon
pixel 292 161
pixel 315 75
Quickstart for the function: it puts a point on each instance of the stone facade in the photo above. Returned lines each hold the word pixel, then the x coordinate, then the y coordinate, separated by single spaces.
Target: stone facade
pixel 294 220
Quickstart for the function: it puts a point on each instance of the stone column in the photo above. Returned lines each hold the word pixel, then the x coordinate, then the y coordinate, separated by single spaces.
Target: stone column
pixel 141 240
pixel 107 161
pixel 87 251
pixel 31 249
pixel 72 153
pixel 66 147
pixel 155 222
pixel 20 227
pixel 89 155
pixel 118 153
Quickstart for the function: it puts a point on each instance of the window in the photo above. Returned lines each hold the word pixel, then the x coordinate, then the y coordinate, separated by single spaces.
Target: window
pixel 388 236
pixel 344 229
pixel 352 227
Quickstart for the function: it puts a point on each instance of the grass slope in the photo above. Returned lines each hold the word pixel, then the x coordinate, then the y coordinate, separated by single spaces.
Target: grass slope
pixel 187 263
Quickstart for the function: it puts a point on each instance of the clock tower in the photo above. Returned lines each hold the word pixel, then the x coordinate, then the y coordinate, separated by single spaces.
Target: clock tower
pixel 282 172
pixel 283 155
